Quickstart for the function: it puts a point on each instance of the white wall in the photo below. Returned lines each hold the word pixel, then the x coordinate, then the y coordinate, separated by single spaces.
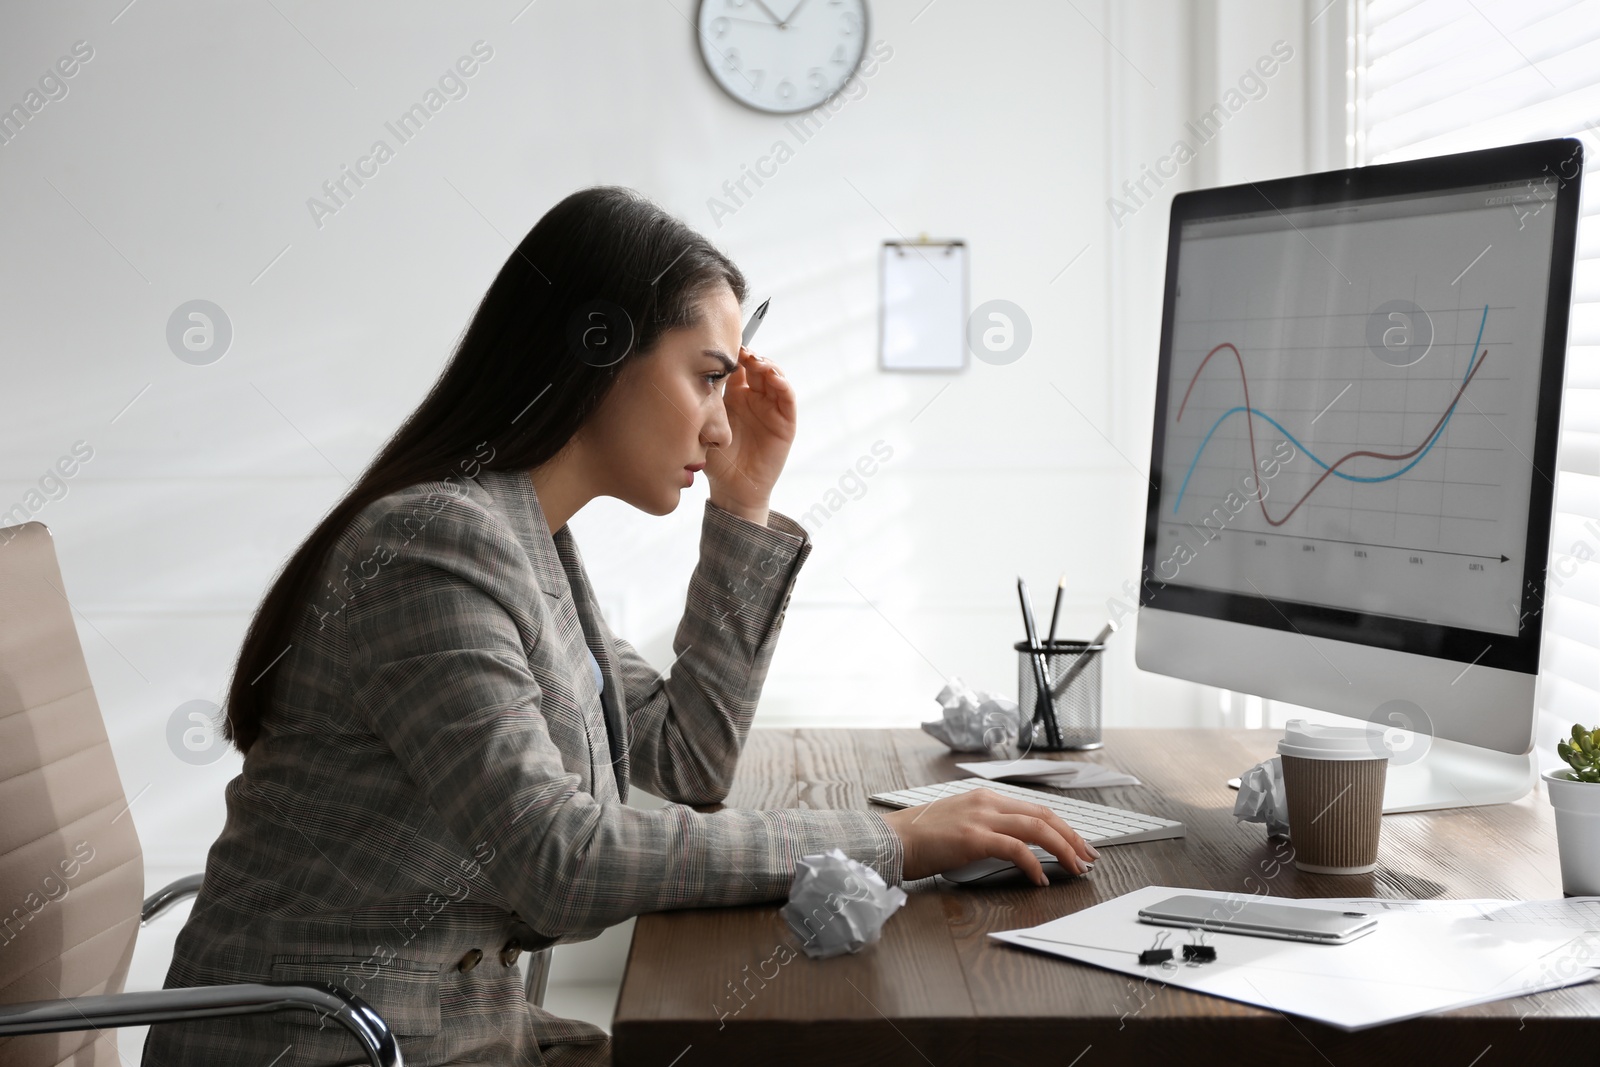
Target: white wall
pixel 179 164
pixel 1176 64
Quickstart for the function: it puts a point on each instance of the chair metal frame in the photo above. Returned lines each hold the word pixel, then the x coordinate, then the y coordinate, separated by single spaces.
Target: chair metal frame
pixel 534 982
pixel 538 977
pixel 204 1002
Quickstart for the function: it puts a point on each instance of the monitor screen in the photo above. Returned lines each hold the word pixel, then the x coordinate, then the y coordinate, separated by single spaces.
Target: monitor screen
pixel 1348 420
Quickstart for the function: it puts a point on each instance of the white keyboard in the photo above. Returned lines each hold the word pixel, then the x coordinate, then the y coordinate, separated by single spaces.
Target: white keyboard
pixel 1095 823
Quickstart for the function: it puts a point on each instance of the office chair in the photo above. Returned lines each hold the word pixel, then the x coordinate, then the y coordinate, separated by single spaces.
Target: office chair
pixel 71 867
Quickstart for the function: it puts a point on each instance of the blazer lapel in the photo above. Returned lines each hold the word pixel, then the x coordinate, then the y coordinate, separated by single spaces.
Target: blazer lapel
pixel 514 490
pixel 560 572
pixel 594 630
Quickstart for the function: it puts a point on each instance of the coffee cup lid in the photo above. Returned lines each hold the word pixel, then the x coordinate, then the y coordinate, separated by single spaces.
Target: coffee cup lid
pixel 1310 740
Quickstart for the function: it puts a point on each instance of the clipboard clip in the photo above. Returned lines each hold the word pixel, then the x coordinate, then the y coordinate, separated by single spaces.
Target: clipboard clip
pixel 949 244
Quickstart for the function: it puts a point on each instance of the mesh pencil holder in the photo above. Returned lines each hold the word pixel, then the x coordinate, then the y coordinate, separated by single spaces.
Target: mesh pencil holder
pixel 1077 707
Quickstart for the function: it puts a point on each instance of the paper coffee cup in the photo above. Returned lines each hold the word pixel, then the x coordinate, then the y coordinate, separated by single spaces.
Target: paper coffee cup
pixel 1334 787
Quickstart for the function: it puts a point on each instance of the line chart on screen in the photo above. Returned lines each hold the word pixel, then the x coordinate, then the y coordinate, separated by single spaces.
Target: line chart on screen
pixel 1402 458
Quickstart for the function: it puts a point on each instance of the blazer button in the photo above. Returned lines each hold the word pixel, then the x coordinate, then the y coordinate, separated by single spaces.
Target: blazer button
pixel 511 952
pixel 470 960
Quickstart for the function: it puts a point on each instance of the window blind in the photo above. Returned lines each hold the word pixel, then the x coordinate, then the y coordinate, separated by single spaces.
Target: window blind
pixel 1428 77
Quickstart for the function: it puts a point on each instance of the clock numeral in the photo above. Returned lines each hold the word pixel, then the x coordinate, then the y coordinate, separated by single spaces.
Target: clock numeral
pixel 795 86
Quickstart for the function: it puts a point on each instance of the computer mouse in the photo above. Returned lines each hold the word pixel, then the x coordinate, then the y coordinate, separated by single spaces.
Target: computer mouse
pixel 992 870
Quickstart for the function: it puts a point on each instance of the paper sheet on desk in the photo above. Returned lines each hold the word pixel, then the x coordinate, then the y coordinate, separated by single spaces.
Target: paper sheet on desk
pixel 1410 965
pixel 1576 913
pixel 1062 774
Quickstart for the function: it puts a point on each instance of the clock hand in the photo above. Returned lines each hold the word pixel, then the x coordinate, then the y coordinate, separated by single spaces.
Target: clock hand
pixel 790 16
pixel 775 19
pixel 753 22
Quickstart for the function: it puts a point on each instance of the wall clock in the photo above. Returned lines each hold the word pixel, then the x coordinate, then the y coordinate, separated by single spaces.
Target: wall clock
pixel 781 56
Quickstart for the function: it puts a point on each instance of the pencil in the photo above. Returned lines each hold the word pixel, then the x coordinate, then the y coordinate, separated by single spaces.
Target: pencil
pixel 1060 685
pixel 1055 612
pixel 1043 704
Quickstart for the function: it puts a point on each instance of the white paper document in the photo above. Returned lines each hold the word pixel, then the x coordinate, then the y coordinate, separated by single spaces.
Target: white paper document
pixel 1062 774
pixel 1412 964
pixel 1579 913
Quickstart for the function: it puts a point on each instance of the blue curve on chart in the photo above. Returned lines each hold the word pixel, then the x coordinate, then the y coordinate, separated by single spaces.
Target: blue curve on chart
pixel 1337 474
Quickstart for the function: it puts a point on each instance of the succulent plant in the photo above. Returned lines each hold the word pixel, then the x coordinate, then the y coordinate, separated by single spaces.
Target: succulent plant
pixel 1582 753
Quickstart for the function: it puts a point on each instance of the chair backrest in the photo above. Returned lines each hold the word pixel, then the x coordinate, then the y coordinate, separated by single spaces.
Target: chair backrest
pixel 71 870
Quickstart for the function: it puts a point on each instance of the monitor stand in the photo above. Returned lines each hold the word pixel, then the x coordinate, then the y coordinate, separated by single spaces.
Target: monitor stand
pixel 1455 775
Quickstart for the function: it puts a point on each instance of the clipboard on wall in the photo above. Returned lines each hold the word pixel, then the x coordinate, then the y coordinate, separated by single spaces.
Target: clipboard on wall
pixel 922 305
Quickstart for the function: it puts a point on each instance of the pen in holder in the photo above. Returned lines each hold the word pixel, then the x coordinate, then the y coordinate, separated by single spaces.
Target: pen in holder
pixel 1077 701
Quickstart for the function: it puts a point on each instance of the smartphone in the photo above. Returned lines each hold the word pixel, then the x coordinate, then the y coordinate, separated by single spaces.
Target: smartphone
pixel 1235 915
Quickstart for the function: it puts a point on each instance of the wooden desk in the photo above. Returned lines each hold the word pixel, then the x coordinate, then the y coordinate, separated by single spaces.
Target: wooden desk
pixel 936 990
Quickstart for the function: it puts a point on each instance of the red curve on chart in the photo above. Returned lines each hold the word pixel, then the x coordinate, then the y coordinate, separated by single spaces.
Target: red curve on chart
pixel 1336 464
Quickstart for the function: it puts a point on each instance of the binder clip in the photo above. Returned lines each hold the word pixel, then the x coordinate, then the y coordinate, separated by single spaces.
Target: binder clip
pixel 1198 952
pixel 1156 954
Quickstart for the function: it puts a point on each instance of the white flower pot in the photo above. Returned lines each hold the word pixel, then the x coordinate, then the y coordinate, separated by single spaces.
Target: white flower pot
pixel 1577 807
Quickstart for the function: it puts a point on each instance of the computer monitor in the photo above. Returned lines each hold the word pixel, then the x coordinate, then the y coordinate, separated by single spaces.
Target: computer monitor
pixel 1353 461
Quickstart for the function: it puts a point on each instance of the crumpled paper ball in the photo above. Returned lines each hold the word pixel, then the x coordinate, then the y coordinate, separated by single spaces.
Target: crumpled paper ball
pixel 974 720
pixel 1261 797
pixel 837 904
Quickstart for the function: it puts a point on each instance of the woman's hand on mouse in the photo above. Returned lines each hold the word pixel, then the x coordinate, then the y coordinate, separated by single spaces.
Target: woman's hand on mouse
pixel 980 823
pixel 761 416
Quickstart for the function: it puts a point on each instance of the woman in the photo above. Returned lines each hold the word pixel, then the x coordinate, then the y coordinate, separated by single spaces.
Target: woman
pixel 439 728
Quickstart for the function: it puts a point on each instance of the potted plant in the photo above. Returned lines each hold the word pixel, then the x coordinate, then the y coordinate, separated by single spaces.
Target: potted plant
pixel 1575 794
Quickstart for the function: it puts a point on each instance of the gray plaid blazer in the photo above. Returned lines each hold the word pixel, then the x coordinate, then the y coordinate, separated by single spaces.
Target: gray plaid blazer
pixel 438 786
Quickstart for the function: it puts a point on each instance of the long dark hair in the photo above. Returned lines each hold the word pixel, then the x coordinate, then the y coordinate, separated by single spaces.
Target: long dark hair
pixel 602 275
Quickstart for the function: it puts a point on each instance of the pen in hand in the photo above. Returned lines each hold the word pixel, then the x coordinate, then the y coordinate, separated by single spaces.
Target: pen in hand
pixel 756 319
